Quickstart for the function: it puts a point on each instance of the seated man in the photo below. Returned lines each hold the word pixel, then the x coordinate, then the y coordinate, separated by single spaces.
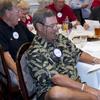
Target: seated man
pixel 95 14
pixel 81 9
pixel 12 33
pixel 51 60
pixel 63 11
pixel 84 5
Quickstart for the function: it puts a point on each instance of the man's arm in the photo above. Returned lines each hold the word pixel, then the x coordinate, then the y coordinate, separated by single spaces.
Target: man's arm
pixel 74 4
pixel 87 58
pixel 64 81
pixel 10 62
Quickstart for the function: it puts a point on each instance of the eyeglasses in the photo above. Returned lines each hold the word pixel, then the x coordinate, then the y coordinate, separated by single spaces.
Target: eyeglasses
pixel 53 26
pixel 14 9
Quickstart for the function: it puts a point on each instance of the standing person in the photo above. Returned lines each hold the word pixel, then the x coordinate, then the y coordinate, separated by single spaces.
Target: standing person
pixel 12 33
pixel 51 60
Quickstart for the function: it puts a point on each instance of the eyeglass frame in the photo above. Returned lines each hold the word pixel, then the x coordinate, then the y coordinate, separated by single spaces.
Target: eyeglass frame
pixel 53 26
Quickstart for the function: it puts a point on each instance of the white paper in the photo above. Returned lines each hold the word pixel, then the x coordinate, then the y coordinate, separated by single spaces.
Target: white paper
pixel 92 24
pixel 80 28
pixel 92 46
pixel 94 68
pixel 80 31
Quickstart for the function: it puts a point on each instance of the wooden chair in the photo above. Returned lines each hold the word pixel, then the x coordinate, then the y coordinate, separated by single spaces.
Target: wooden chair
pixel 1 91
pixel 1 94
pixel 6 77
pixel 21 57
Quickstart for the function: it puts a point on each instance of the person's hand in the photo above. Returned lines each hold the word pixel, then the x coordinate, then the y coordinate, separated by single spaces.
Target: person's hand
pixel 84 5
pixel 76 23
pixel 96 60
pixel 86 26
pixel 98 95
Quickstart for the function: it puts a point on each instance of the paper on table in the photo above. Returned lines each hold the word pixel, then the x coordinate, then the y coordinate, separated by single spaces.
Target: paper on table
pixel 94 68
pixel 80 28
pixel 80 31
pixel 92 46
pixel 92 24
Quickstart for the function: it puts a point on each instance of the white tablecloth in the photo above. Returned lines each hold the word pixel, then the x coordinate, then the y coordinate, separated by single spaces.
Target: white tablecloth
pixel 93 78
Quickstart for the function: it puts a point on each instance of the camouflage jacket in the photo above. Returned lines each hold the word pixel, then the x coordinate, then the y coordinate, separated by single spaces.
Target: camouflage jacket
pixel 43 62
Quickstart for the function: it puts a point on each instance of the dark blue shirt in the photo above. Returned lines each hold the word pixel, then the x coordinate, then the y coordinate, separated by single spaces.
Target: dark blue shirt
pixel 12 38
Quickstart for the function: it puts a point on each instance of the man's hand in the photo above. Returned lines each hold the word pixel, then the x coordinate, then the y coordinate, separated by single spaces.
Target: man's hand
pixel 84 5
pixel 96 60
pixel 86 26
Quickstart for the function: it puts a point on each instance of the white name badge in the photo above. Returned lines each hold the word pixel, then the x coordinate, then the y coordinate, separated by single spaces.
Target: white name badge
pixel 57 53
pixel 59 14
pixel 15 35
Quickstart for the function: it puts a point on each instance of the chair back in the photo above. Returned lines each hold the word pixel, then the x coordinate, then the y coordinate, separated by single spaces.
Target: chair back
pixel 1 91
pixel 4 66
pixel 25 80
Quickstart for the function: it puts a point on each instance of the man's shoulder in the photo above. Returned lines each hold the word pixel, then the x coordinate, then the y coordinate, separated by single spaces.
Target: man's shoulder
pixel 3 27
pixel 2 24
pixel 20 23
pixel 20 26
pixel 50 6
pixel 67 8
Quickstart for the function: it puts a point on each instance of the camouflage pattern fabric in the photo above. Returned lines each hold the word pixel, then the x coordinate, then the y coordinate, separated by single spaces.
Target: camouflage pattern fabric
pixel 43 63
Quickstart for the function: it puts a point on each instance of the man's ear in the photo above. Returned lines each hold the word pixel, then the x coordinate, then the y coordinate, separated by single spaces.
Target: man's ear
pixel 39 27
pixel 7 13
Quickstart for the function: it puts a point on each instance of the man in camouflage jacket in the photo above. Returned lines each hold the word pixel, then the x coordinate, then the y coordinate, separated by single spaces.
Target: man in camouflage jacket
pixel 51 60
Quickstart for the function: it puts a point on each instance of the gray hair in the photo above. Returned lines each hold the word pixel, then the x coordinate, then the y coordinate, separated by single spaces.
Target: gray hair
pixel 41 15
pixel 6 5
pixel 55 1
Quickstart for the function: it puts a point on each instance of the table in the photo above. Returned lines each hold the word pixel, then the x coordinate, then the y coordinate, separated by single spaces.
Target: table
pixel 78 31
pixel 92 79
pixel 92 48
